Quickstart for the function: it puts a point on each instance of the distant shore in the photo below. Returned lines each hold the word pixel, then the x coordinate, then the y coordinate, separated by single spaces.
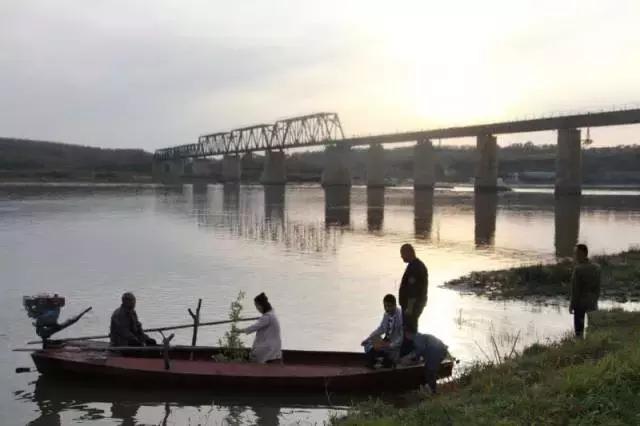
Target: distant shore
pixel 620 279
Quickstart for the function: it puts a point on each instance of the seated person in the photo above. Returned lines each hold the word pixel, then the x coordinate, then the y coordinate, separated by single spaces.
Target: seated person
pixel 267 346
pixel 126 330
pixel 385 341
pixel 428 348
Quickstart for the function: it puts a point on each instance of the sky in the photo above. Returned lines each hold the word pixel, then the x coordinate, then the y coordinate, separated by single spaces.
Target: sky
pixel 151 74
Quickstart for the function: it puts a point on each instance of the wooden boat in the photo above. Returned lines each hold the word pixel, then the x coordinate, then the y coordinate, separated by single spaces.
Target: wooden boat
pixel 193 367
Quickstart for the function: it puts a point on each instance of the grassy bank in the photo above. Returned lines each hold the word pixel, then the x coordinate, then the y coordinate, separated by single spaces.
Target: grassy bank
pixel 590 381
pixel 620 279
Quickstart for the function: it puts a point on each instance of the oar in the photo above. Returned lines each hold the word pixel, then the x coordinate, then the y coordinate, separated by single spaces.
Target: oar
pixel 157 348
pixel 148 330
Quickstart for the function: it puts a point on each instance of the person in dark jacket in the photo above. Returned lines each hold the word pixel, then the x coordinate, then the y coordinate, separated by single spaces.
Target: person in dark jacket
pixel 125 329
pixel 585 288
pixel 413 287
pixel 413 292
pixel 429 349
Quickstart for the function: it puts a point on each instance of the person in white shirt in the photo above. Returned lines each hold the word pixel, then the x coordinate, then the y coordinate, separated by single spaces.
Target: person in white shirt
pixel 267 346
pixel 385 341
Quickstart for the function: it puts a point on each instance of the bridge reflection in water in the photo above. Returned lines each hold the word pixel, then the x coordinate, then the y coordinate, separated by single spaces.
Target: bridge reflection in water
pixel 237 214
pixel 423 213
pixel 485 214
pixel 239 219
pixel 375 209
pixel 567 224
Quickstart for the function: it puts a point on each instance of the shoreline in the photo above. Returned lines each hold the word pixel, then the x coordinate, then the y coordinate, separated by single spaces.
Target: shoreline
pixel 583 381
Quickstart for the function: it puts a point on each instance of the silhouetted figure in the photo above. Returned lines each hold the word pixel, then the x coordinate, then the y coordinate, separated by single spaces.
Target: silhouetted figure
pixel 428 348
pixel 126 330
pixel 585 288
pixel 413 290
pixel 567 224
pixel 267 345
pixel 375 209
pixel 385 341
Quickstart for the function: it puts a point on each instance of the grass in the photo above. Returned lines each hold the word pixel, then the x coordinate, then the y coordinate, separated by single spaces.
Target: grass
pixel 620 279
pixel 594 381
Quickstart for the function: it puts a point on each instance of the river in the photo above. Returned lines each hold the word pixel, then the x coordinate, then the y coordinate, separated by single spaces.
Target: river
pixel 325 261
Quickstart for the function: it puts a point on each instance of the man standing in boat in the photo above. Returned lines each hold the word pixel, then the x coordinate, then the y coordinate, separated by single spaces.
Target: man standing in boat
pixel 126 330
pixel 385 341
pixel 585 288
pixel 413 287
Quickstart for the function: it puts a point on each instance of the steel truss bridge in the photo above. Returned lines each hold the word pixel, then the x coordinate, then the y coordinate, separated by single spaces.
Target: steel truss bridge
pixel 307 130
pixel 325 128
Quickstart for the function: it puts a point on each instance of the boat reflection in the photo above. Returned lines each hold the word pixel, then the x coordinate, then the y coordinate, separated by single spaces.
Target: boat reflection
pixel 485 213
pixel 423 213
pixel 375 209
pixel 59 399
pixel 567 224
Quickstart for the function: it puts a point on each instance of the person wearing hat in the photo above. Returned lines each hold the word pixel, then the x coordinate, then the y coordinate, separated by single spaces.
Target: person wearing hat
pixel 267 346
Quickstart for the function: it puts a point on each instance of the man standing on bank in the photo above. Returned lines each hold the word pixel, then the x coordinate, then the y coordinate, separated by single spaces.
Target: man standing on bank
pixel 413 287
pixel 585 288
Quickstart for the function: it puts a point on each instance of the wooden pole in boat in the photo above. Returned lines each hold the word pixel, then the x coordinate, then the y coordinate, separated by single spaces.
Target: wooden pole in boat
pixel 165 349
pixel 148 330
pixel 196 322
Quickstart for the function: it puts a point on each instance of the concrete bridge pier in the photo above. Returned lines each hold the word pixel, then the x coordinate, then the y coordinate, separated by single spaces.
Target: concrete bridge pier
pixel 375 166
pixel 274 171
pixel 231 169
pixel 424 176
pixel 569 163
pixel 337 171
pixel 487 164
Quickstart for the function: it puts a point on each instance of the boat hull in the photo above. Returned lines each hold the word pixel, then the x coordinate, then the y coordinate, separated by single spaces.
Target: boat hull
pixel 301 371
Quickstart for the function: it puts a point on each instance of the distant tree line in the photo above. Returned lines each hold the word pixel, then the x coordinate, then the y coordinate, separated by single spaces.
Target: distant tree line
pixel 21 157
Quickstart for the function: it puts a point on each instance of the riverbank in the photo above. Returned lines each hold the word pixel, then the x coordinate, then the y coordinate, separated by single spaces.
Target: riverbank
pixel 620 279
pixel 590 381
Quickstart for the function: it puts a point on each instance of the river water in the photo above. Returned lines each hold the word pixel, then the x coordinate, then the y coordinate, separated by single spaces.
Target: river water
pixel 324 259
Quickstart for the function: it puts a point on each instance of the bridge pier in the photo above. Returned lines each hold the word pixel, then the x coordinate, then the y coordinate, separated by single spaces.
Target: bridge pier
pixel 375 166
pixel 424 165
pixel 337 170
pixel 231 169
pixel 486 179
pixel 274 171
pixel 569 163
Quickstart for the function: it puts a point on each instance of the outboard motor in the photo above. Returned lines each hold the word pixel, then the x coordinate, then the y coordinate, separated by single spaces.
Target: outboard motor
pixel 45 309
